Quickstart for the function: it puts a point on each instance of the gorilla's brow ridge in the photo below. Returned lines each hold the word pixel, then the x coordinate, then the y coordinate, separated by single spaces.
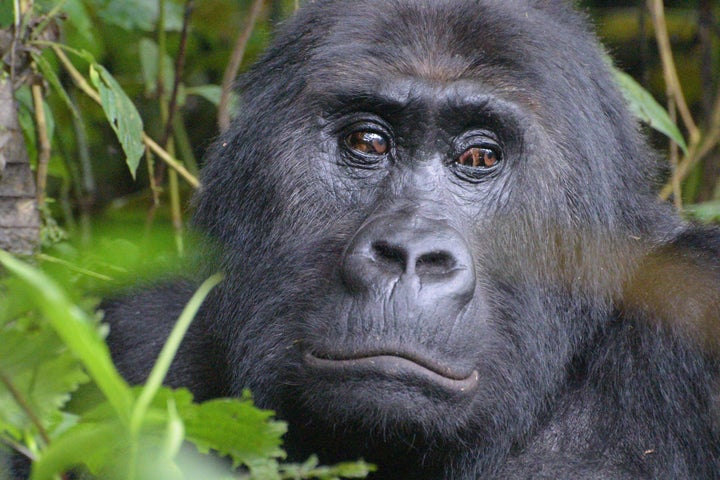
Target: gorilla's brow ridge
pixel 458 99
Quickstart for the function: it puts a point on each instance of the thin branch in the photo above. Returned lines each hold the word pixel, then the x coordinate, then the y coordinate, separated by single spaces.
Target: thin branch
pixel 172 107
pixel 24 406
pixel 698 150
pixel 75 74
pixel 669 70
pixel 154 187
pixel 674 158
pixel 179 68
pixel 43 142
pixel 167 158
pixel 234 66
pixel 16 33
pixel 167 110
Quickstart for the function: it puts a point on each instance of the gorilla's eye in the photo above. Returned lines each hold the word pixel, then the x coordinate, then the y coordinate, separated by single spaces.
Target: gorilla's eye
pixel 367 143
pixel 480 157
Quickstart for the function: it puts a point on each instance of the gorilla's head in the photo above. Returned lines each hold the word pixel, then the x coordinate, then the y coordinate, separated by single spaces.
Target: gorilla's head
pixel 426 210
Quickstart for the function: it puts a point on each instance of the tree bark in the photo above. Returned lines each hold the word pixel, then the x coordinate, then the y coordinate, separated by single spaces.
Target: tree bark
pixel 19 217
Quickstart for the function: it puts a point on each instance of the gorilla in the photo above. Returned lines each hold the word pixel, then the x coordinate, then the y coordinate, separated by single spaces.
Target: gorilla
pixel 444 253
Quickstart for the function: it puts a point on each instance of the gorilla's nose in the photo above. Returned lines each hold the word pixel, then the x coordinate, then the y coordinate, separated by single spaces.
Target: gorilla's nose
pixel 412 250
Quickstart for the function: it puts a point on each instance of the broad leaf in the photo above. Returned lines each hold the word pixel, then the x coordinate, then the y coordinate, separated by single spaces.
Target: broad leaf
pixel 122 115
pixel 647 109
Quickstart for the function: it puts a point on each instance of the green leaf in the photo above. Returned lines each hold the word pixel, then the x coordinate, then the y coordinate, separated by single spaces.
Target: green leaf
pixel 79 25
pixel 235 428
pixel 37 373
pixel 148 52
pixel 644 106
pixel 77 330
pixel 358 469
pixel 706 211
pixel 121 113
pixel 228 427
pixel 174 433
pixel 6 14
pixel 211 93
pixel 310 469
pixel 95 445
pixel 139 14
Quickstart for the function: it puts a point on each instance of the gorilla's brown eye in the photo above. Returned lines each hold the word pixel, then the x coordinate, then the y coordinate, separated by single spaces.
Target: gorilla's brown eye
pixel 368 143
pixel 481 157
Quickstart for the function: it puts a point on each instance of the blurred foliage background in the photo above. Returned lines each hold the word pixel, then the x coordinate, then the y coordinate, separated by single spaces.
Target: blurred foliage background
pixel 693 28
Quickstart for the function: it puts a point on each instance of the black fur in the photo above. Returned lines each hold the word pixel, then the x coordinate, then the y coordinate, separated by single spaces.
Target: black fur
pixel 588 310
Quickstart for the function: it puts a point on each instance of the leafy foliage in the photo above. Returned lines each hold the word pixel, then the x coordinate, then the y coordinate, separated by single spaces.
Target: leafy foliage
pixel 37 376
pixel 125 432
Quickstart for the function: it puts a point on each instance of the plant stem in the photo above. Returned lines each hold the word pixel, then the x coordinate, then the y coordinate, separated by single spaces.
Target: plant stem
pixel 24 406
pixel 43 143
pixel 669 71
pixel 235 61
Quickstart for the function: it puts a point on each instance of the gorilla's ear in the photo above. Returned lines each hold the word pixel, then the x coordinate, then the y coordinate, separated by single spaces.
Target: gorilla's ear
pixel 678 285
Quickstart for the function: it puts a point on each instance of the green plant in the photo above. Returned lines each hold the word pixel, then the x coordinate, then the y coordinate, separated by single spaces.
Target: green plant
pixel 50 347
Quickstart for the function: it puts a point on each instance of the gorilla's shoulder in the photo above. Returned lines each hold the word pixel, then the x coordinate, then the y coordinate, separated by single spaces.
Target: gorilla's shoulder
pixel 140 320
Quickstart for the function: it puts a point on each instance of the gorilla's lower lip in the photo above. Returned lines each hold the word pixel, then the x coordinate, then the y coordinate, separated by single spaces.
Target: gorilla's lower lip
pixel 396 365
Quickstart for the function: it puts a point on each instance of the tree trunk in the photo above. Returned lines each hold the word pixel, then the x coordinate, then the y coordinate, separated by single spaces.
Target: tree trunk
pixel 19 218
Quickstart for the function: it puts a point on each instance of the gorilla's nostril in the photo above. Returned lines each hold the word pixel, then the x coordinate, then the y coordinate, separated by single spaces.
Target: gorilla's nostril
pixel 391 256
pixel 435 263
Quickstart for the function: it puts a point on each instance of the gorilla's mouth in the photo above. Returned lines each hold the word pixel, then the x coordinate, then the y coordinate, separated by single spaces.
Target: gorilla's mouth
pixel 394 364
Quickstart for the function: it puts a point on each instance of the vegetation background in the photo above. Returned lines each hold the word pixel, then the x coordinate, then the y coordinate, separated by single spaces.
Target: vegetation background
pixel 106 108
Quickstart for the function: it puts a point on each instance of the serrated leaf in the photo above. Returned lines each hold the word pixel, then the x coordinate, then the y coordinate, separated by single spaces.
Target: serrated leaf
pixel 38 371
pixel 122 115
pixel 648 110
pixel 359 469
pixel 77 330
pixel 234 428
pixel 95 445
pixel 310 469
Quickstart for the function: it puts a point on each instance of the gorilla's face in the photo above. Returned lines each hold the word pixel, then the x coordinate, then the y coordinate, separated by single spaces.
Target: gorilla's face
pixel 418 211
pixel 410 314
